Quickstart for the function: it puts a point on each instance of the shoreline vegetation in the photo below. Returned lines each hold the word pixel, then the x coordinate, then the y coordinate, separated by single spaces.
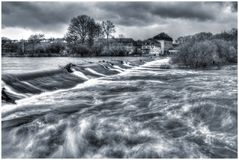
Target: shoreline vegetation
pixel 205 50
pixel 87 38
pixel 10 54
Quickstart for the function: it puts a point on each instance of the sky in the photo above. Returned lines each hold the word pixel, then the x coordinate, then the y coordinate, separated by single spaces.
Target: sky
pixel 137 20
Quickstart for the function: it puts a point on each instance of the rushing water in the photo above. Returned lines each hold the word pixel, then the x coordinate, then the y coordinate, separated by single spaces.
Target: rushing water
pixel 26 65
pixel 125 110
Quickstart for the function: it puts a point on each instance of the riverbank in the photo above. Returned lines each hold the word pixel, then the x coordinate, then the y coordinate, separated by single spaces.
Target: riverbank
pixel 14 54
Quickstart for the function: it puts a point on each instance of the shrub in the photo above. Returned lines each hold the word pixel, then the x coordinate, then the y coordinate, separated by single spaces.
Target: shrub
pixel 40 49
pixel 115 51
pixel 232 55
pixel 96 50
pixel 206 53
pixel 9 47
pixel 79 50
pixel 227 50
pixel 55 48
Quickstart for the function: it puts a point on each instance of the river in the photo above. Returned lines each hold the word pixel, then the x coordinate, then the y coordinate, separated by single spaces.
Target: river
pixel 125 110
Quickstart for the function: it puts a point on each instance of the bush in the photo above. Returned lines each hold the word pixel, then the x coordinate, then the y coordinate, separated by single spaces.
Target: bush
pixel 227 50
pixel 206 53
pixel 10 47
pixel 115 51
pixel 40 49
pixel 79 50
pixel 55 48
pixel 97 50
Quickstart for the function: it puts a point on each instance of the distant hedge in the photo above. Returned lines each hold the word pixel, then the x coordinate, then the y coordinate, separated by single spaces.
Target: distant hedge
pixel 206 53
pixel 115 51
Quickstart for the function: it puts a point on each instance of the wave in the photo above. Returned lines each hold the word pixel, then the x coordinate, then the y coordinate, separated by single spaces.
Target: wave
pixel 24 85
pixel 119 68
pixel 126 64
pixel 80 74
pixel 12 91
pixel 168 114
pixel 94 72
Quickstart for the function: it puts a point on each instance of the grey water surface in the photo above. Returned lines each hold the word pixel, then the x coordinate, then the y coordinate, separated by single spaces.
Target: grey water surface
pixel 122 111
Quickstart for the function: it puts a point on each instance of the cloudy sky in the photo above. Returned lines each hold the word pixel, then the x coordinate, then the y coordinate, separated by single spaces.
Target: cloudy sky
pixel 139 20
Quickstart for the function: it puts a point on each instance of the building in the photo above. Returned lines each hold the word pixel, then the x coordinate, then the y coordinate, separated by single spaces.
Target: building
pixel 52 40
pixel 151 47
pixel 158 45
pixel 166 42
pixel 127 43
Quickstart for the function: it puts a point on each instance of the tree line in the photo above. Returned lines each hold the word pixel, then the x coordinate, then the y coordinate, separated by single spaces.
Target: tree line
pixel 82 33
pixel 32 47
pixel 80 40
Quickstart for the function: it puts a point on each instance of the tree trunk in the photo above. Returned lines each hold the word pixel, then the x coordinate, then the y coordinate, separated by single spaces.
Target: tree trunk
pixel 83 40
pixel 107 41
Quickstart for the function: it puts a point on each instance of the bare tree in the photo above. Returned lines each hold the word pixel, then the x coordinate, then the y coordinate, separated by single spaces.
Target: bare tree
pixel 82 30
pixel 34 40
pixel 78 29
pixel 22 46
pixel 94 30
pixel 108 28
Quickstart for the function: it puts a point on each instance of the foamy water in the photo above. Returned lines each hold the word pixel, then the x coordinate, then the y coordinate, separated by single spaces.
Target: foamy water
pixel 138 112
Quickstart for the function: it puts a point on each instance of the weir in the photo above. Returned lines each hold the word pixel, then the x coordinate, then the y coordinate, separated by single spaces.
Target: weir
pixel 44 81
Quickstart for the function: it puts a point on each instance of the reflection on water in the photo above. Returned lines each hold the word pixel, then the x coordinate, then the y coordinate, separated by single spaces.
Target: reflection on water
pixel 139 112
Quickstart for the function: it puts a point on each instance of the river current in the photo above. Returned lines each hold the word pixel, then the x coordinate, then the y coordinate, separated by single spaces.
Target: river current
pixel 121 110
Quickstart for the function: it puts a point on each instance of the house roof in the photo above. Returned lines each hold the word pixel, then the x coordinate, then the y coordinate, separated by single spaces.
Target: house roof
pixel 151 41
pixel 124 40
pixel 163 36
pixel 118 40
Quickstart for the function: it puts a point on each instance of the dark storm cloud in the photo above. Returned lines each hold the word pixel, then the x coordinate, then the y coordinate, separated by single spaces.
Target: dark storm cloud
pixel 140 12
pixel 234 6
pixel 190 10
pixel 48 15
pixel 38 14
pixel 133 19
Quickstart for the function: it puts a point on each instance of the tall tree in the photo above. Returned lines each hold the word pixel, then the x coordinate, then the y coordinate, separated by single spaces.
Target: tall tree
pixel 34 40
pixel 22 46
pixel 82 30
pixel 78 28
pixel 108 28
pixel 94 30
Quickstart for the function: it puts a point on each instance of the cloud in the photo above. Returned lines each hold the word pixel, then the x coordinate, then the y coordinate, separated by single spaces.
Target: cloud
pixel 151 11
pixel 234 6
pixel 142 17
pixel 38 15
pixel 190 10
